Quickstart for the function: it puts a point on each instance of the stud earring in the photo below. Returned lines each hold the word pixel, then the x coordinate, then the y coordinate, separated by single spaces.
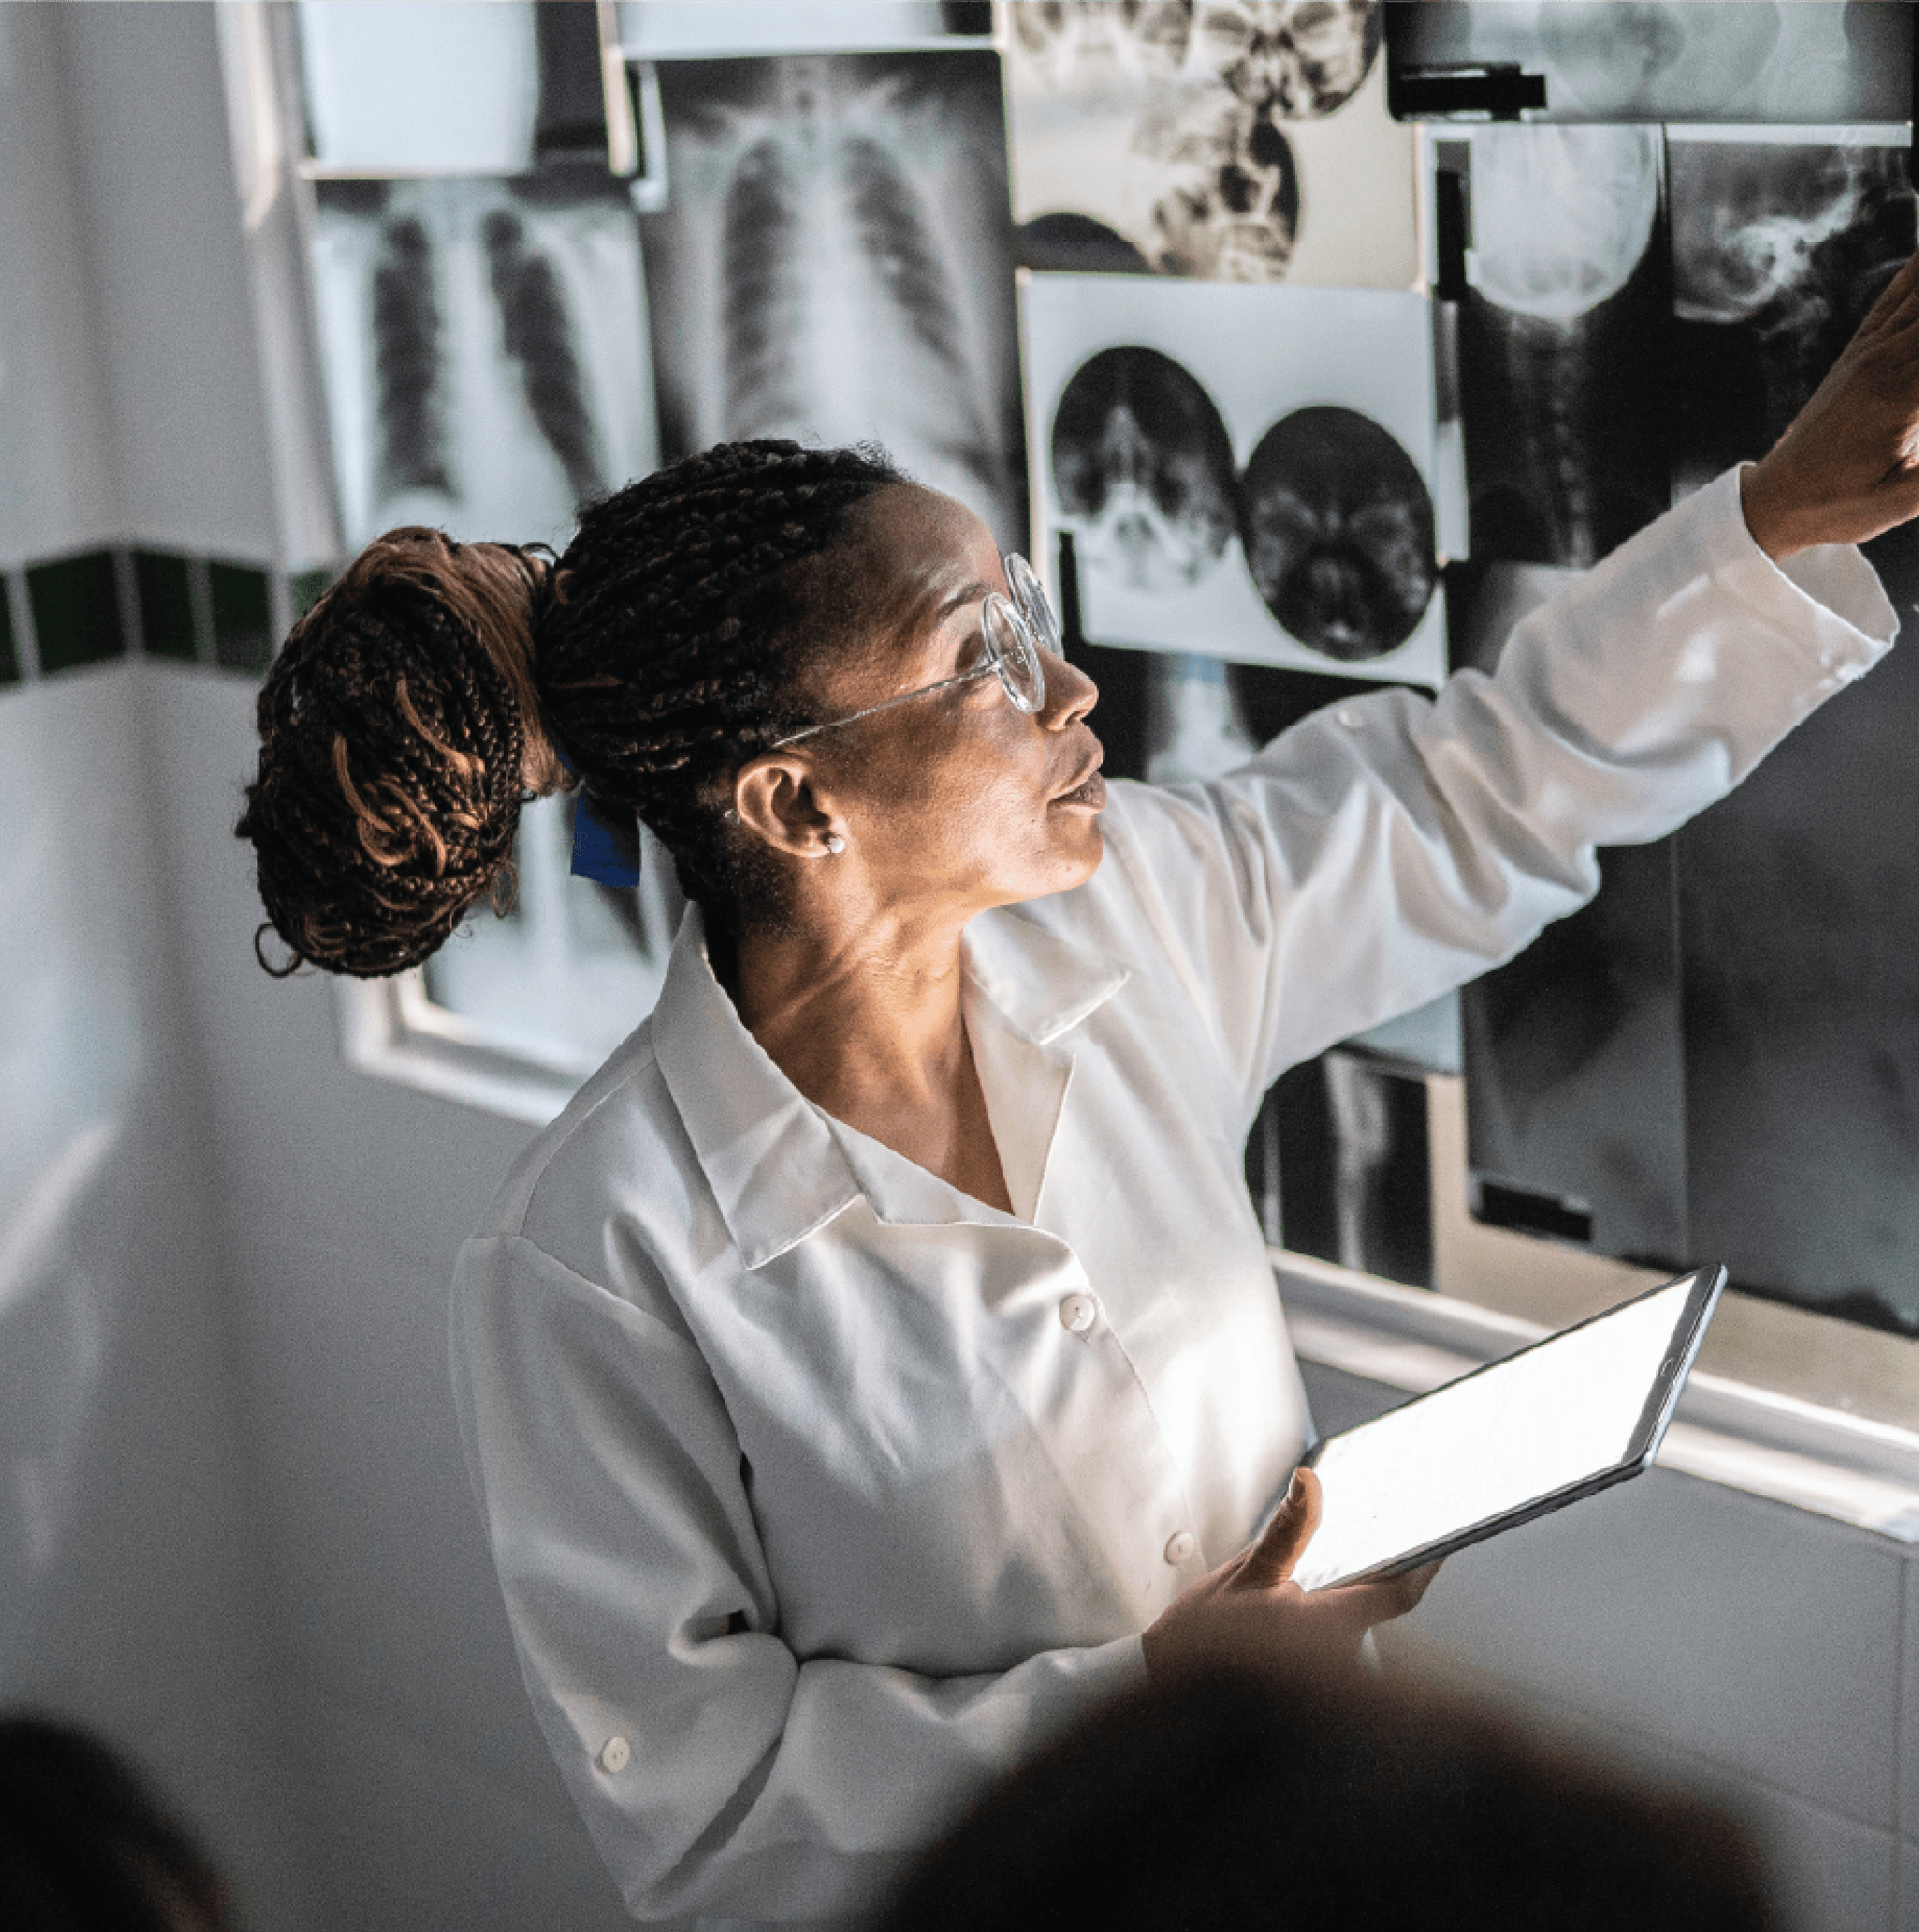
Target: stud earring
pixel 835 844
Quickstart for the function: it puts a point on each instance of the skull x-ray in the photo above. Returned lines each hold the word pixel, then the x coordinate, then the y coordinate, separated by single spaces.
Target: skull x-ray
pixel 1561 330
pixel 484 349
pixel 1738 61
pixel 834 263
pixel 1243 140
pixel 1219 502
pixel 1779 247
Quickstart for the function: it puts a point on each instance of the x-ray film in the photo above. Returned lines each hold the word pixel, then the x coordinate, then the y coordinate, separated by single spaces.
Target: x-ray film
pixel 1245 471
pixel 1782 239
pixel 705 29
pixel 483 350
pixel 1245 141
pixel 834 263
pixel 1662 60
pixel 1562 332
pixel 449 87
pixel 1568 1417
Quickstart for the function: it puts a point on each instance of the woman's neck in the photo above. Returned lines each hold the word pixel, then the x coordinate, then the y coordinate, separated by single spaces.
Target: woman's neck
pixel 870 1026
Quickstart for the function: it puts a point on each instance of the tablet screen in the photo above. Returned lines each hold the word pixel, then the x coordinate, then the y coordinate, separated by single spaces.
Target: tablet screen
pixel 1557 1417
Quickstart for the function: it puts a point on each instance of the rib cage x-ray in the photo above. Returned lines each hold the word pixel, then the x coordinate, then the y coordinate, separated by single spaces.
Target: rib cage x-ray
pixel 835 265
pixel 484 349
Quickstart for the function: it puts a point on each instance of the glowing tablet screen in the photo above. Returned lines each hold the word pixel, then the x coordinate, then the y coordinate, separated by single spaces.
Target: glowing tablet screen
pixel 1566 1417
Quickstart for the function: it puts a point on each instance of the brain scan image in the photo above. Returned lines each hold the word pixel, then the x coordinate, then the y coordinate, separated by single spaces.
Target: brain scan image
pixel 1337 525
pixel 1561 215
pixel 1142 465
pixel 1295 59
pixel 1101 47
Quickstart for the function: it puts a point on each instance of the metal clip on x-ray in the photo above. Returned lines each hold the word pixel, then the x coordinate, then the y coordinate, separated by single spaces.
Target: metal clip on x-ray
pixel 1500 91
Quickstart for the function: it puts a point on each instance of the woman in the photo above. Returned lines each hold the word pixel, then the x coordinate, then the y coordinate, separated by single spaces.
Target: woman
pixel 864 1374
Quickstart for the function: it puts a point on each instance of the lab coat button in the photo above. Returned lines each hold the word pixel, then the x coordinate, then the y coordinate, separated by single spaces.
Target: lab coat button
pixel 1078 1312
pixel 614 1754
pixel 1350 718
pixel 1180 1547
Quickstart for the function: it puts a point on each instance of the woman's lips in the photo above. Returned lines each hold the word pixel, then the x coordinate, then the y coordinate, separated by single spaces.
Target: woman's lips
pixel 1090 792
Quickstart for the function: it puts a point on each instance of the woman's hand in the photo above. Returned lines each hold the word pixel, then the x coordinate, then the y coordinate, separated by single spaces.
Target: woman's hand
pixel 1249 1609
pixel 1848 466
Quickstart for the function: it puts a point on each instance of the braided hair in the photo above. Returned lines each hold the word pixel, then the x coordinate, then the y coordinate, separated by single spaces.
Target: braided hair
pixel 665 648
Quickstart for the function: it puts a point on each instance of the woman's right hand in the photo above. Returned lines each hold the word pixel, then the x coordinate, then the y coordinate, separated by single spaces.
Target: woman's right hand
pixel 1249 1609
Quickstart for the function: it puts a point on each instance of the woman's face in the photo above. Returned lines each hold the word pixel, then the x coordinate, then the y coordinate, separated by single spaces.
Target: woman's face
pixel 958 800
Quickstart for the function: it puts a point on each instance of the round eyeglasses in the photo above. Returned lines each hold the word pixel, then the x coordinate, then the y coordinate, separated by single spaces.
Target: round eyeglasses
pixel 1016 630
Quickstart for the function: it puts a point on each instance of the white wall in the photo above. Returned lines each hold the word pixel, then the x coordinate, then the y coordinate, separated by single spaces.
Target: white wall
pixel 1766 1655
pixel 134 1596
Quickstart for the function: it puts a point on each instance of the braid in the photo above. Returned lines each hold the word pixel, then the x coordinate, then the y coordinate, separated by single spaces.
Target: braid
pixel 391 750
pixel 677 632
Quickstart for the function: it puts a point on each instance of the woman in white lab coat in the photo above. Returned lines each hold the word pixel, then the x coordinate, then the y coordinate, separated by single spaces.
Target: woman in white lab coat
pixel 879 1361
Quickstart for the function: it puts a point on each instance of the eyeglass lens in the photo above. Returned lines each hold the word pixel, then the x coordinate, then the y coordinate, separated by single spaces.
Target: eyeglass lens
pixel 1018 663
pixel 1030 595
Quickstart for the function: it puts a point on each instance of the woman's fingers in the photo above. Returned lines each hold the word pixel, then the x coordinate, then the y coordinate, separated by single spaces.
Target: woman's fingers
pixel 1898 305
pixel 1271 1561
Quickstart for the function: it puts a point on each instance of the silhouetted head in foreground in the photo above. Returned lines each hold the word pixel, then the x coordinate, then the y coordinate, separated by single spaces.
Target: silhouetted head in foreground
pixel 86 1847
pixel 1245 1798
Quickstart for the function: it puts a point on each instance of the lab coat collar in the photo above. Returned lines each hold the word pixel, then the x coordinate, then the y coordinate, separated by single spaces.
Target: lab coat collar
pixel 779 1169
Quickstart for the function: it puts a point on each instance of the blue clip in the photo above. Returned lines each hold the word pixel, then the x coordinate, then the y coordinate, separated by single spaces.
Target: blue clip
pixel 606 848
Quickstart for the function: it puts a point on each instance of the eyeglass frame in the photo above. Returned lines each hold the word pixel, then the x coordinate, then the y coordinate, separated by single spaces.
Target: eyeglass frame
pixel 1034 636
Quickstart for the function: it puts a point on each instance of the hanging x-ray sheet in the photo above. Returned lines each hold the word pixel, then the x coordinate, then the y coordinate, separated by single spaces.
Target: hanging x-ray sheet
pixel 1799 896
pixel 834 264
pixel 484 347
pixel 1781 237
pixel 1563 338
pixel 1245 471
pixel 1674 60
pixel 1245 140
pixel 696 29
pixel 449 87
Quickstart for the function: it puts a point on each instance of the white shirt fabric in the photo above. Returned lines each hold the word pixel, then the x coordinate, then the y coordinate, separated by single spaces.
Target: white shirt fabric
pixel 831 1492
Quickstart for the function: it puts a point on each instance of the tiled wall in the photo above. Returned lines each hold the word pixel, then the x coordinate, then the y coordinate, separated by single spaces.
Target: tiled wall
pixel 93 606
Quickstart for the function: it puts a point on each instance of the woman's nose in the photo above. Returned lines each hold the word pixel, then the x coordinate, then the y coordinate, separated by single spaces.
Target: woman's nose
pixel 1070 693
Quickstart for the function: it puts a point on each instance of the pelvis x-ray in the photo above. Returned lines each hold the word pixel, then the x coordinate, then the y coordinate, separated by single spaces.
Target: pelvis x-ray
pixel 1738 60
pixel 1219 502
pixel 484 345
pixel 1241 140
pixel 835 263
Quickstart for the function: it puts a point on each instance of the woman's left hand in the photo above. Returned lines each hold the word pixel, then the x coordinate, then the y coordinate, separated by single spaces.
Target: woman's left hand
pixel 1848 466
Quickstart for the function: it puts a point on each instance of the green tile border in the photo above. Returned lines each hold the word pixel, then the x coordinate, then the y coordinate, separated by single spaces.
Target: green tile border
pixel 169 627
pixel 242 601
pixel 76 605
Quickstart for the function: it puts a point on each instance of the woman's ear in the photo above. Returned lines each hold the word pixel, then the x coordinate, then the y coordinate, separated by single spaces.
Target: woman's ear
pixel 776 799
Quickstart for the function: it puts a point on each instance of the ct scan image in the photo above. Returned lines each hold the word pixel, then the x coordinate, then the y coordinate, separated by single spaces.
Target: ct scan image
pixel 1219 505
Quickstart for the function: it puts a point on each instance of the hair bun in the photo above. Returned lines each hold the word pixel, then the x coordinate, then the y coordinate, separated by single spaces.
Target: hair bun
pixel 392 743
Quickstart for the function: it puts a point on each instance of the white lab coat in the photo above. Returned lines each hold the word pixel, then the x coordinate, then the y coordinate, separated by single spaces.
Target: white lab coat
pixel 821 1493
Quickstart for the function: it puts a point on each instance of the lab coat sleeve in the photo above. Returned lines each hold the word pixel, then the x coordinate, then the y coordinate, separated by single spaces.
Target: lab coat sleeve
pixel 1385 850
pixel 753 1784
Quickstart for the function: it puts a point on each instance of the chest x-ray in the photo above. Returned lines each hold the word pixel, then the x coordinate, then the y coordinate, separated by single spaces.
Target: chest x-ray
pixel 484 346
pixel 834 261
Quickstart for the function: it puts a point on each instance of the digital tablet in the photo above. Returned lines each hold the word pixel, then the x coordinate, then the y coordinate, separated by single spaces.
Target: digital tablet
pixel 1563 1419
